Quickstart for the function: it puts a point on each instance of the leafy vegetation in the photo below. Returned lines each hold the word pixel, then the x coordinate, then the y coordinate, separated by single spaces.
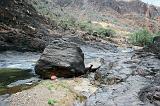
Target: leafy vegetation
pixel 115 21
pixel 56 85
pixel 141 38
pixel 67 23
pixel 158 33
pixel 85 26
pixel 105 32
pixel 51 101
pixel 50 86
pixel 95 29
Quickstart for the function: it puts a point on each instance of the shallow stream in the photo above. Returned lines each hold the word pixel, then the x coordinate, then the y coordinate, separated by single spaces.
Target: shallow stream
pixel 16 72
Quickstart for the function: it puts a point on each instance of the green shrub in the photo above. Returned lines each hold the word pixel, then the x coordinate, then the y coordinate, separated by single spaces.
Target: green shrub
pixel 115 21
pixel 67 23
pixel 95 29
pixel 141 38
pixel 51 101
pixel 158 33
pixel 103 32
pixel 86 26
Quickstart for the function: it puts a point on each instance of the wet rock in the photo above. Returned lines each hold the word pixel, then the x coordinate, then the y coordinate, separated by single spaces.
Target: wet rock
pixel 61 59
pixel 121 94
pixel 119 86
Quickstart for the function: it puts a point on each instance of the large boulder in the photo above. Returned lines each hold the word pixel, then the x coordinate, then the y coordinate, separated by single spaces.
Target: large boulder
pixel 61 59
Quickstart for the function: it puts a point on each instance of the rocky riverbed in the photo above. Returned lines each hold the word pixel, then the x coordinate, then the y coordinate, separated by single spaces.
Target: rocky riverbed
pixel 123 75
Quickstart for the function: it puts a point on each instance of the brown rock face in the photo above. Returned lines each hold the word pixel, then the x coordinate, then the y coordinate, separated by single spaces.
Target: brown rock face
pixel 120 6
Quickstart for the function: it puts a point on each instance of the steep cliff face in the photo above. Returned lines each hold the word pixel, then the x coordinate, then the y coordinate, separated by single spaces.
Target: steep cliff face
pixel 18 12
pixel 130 6
pixel 120 6
pixel 126 15
pixel 21 24
pixel 21 27
pixel 121 13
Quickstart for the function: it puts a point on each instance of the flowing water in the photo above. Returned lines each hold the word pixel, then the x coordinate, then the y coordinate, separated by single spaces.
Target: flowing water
pixel 14 59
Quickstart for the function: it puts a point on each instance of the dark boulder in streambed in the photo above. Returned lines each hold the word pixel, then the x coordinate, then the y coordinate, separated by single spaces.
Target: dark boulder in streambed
pixel 61 59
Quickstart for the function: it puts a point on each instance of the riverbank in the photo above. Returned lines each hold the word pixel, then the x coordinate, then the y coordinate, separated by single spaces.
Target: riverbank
pixel 64 92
